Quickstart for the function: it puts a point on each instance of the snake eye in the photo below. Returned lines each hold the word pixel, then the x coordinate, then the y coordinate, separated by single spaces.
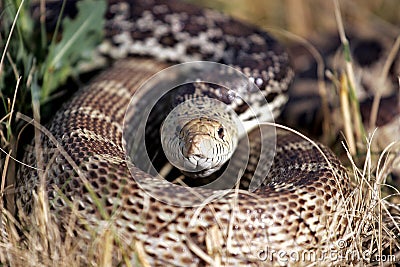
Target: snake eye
pixel 221 133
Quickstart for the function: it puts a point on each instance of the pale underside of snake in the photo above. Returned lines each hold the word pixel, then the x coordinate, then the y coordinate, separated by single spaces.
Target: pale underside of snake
pixel 295 206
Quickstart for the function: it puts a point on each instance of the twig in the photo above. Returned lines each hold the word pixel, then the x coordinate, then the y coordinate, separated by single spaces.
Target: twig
pixel 345 108
pixel 382 78
pixel 13 66
pixel 141 254
pixel 3 175
pixel 350 74
pixel 13 102
pixel 9 36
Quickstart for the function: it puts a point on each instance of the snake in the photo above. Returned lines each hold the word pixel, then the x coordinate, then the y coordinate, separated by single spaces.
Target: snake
pixel 87 172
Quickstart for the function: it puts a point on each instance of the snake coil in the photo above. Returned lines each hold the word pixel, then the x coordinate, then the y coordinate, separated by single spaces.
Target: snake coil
pixel 295 208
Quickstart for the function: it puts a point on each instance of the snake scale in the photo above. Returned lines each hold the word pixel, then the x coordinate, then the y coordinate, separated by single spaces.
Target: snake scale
pixel 294 209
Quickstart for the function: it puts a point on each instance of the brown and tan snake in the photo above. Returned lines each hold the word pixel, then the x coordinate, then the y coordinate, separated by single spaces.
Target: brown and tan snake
pixel 295 208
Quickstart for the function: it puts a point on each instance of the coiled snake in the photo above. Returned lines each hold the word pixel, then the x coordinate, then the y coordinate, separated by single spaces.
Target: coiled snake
pixel 293 209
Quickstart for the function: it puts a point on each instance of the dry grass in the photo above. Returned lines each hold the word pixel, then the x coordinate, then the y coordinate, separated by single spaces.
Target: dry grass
pixel 372 213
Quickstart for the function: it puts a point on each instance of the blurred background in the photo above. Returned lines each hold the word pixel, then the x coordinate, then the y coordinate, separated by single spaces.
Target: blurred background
pixel 310 17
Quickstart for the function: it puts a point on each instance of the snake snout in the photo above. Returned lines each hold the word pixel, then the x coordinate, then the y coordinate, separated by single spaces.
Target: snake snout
pixel 199 145
pixel 198 149
pixel 200 155
pixel 203 147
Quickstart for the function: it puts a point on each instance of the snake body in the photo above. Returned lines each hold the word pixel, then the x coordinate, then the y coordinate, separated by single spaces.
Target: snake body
pixel 294 208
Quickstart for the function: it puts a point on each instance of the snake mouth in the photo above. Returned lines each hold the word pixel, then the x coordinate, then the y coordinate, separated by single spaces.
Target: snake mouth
pixel 196 163
pixel 199 150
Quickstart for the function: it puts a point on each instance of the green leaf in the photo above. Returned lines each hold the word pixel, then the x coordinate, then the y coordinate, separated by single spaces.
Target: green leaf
pixel 79 38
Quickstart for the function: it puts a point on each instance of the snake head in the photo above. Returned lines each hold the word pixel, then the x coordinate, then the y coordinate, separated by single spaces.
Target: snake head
pixel 199 136
pixel 200 147
pixel 205 145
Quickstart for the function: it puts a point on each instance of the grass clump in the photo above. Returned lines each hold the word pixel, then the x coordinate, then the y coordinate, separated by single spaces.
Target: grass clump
pixel 33 65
